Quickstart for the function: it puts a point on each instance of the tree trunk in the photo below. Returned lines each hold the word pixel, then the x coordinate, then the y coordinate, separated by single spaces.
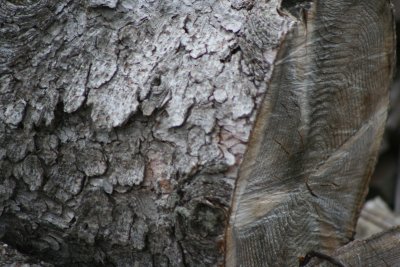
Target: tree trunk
pixel 125 128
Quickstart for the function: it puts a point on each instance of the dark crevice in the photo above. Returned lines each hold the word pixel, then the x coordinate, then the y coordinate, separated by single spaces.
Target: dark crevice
pixel 303 261
pixel 296 7
pixel 228 58
pixel 289 4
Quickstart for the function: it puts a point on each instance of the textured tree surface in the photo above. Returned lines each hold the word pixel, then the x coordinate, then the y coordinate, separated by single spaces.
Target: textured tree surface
pixel 123 125
pixel 316 137
pixel 382 249
pixel 10 257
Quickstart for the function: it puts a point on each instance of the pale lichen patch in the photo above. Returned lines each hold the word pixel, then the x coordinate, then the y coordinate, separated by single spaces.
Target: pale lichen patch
pixel 114 103
pixel 13 113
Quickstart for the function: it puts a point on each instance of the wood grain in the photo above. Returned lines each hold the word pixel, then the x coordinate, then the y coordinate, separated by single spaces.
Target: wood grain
pixel 314 144
pixel 382 249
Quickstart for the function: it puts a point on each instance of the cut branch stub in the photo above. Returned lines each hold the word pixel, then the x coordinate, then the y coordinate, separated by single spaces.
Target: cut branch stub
pixel 315 141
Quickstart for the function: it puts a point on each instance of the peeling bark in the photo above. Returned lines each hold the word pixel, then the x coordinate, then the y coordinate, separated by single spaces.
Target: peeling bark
pixel 123 124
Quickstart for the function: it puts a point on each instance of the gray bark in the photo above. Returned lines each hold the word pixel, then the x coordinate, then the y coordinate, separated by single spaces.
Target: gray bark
pixel 123 125
pixel 10 257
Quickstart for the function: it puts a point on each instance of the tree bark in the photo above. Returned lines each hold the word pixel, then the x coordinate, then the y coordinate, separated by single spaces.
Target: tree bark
pixel 125 128
pixel 10 257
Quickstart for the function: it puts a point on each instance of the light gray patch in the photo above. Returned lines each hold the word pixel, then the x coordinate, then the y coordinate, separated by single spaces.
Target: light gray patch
pixel 31 172
pixel 103 3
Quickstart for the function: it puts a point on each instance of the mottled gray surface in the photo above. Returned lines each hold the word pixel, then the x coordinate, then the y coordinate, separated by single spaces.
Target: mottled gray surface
pixel 122 124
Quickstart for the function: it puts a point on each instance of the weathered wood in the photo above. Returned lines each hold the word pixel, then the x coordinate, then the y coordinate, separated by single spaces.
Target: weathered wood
pixel 382 249
pixel 123 125
pixel 316 136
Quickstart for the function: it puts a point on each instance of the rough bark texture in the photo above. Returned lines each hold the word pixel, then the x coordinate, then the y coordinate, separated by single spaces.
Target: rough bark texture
pixel 123 124
pixel 10 257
